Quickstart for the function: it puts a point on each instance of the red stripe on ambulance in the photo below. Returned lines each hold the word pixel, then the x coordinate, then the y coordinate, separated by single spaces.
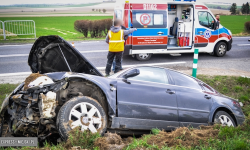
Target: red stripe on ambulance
pixel 150 40
pixel 149 6
pixel 200 7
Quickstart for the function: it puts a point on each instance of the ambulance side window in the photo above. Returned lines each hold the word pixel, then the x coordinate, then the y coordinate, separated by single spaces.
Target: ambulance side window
pixel 149 19
pixel 205 19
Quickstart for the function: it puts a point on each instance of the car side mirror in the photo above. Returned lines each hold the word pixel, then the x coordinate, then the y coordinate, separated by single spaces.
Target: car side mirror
pixel 132 73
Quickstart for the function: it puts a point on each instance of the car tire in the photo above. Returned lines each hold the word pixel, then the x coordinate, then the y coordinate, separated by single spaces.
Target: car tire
pixel 220 49
pixel 81 111
pixel 143 56
pixel 223 118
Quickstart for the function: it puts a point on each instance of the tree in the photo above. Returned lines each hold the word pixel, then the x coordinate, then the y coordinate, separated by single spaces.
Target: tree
pixel 243 8
pixel 104 10
pixel 93 9
pixel 247 8
pixel 233 8
pixel 100 10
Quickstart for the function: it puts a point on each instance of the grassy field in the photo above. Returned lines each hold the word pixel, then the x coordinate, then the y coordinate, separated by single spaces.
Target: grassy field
pixel 235 23
pixel 62 26
pixel 205 138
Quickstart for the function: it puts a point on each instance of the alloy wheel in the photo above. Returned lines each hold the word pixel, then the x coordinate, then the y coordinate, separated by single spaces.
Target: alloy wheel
pixel 87 116
pixel 144 55
pixel 225 121
pixel 222 49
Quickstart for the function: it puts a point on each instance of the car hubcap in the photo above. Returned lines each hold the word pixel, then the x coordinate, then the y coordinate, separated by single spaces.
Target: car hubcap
pixel 143 56
pixel 226 121
pixel 222 49
pixel 85 115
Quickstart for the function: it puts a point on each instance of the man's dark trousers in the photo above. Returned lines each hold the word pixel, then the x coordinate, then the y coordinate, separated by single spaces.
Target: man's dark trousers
pixel 118 57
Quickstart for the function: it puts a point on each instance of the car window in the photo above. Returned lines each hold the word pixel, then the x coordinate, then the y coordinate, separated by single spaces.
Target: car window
pixel 206 19
pixel 207 88
pixel 151 74
pixel 149 19
pixel 184 80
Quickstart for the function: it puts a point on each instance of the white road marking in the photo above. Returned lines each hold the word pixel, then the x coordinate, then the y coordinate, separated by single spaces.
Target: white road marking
pixel 153 64
pixel 21 55
pixel 241 37
pixel 15 45
pixel 14 74
pixel 94 51
pixel 243 44
pixel 14 55
pixel 91 42
pixel 99 68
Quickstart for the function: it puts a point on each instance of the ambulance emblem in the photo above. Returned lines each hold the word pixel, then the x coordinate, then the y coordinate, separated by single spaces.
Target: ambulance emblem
pixel 145 19
pixel 207 34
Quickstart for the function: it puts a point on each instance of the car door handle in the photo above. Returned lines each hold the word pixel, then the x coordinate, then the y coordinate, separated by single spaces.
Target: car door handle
pixel 207 96
pixel 170 92
pixel 160 33
pixel 201 32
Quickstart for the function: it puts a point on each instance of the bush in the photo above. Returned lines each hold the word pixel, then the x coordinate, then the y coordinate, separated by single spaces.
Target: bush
pixel 96 28
pixel 247 26
pixel 104 10
pixel 82 26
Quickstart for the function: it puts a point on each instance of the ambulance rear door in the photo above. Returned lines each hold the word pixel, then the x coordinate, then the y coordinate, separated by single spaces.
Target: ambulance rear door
pixel 151 23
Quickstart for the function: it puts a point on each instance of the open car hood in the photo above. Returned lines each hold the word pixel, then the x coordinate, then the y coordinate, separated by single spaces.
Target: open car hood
pixel 54 54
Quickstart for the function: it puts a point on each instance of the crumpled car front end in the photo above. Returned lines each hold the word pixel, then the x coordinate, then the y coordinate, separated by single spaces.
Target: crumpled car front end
pixel 30 110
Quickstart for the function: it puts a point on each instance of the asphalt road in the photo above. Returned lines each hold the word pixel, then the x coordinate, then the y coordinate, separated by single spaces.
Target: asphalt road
pixel 13 58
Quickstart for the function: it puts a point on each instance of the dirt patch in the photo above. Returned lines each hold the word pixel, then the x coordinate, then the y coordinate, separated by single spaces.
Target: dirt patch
pixel 181 136
pixel 31 78
pixel 110 141
pixel 184 136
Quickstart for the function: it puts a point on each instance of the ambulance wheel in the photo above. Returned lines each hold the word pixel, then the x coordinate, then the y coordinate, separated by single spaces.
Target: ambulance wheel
pixel 220 49
pixel 143 56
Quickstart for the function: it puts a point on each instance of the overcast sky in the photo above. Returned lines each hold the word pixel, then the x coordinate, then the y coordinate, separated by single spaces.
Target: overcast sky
pixel 8 2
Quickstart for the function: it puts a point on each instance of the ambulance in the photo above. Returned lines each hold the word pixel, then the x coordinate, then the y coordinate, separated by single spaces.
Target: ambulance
pixel 165 27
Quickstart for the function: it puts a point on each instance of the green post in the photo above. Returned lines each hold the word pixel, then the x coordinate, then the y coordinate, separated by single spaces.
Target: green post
pixel 196 52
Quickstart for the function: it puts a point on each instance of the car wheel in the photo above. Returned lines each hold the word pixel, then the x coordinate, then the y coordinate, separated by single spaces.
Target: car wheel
pixel 143 56
pixel 220 49
pixel 83 112
pixel 223 118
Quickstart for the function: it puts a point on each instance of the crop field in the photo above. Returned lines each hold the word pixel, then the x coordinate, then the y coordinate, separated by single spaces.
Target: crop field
pixel 64 25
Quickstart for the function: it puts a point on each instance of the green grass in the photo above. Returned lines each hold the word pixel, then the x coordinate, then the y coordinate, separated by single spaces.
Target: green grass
pixel 51 25
pixel 235 23
pixel 5 90
pixel 229 138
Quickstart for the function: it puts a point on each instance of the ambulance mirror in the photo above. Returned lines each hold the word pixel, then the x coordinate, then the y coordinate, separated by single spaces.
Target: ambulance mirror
pixel 216 26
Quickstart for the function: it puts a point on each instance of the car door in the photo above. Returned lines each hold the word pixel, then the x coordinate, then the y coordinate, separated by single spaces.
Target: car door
pixel 152 31
pixel 194 104
pixel 206 31
pixel 148 97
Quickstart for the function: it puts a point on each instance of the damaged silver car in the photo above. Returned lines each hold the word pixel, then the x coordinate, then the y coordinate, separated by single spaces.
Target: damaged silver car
pixel 66 91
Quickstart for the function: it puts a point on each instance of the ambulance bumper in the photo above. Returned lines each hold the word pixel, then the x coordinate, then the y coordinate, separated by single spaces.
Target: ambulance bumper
pixel 229 44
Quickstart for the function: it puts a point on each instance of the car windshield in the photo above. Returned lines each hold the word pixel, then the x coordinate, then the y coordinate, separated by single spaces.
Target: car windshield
pixel 118 73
